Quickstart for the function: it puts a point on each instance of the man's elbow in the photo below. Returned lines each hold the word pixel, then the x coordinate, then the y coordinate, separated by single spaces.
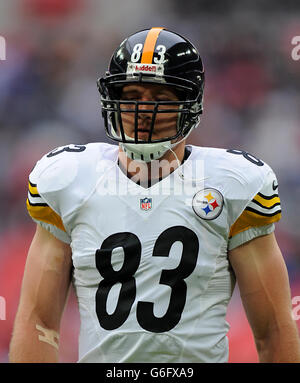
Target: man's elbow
pixel 279 344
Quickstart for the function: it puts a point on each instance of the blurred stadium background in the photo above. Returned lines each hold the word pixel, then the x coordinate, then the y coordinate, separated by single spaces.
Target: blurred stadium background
pixel 56 49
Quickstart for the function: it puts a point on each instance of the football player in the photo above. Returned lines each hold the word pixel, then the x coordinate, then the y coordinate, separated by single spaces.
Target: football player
pixel 152 232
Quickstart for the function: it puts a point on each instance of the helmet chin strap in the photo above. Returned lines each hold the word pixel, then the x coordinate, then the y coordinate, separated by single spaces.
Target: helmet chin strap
pixel 146 152
pixel 155 151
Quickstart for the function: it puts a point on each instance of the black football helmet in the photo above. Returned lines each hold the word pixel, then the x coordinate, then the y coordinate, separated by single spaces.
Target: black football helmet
pixel 153 56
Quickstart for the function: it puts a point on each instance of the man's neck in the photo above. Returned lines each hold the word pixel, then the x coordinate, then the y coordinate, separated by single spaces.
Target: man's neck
pixel 145 173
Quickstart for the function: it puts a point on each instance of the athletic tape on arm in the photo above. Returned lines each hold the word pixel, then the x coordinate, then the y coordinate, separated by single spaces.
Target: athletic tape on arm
pixel 50 336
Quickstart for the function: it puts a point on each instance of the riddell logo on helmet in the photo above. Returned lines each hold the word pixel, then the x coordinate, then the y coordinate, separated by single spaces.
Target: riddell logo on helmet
pixel 155 69
pixel 145 68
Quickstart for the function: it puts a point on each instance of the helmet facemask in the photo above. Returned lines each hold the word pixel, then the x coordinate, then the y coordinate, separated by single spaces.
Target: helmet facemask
pixel 185 114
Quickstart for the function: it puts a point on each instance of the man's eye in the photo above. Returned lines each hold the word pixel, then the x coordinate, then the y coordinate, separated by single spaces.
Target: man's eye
pixel 129 98
pixel 164 97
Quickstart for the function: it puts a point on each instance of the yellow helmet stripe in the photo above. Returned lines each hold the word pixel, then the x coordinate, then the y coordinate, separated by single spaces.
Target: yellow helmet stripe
pixel 147 55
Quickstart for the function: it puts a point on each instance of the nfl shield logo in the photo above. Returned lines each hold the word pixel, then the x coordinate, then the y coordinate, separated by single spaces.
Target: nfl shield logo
pixel 146 203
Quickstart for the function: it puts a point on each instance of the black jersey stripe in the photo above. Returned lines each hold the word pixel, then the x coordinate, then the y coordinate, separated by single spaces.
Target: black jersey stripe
pixel 262 214
pixel 32 184
pixel 36 204
pixel 33 194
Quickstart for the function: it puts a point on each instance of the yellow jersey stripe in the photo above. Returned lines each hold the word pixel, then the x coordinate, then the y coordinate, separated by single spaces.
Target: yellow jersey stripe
pixel 32 189
pixel 266 202
pixel 45 214
pixel 148 51
pixel 250 219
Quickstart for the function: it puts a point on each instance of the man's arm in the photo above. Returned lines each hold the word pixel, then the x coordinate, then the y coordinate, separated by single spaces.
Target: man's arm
pixel 44 292
pixel 264 286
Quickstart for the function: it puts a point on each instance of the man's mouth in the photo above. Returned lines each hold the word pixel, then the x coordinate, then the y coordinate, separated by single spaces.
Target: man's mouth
pixel 143 130
pixel 143 133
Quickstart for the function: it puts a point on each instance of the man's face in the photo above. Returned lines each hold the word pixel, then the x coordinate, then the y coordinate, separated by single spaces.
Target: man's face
pixel 165 123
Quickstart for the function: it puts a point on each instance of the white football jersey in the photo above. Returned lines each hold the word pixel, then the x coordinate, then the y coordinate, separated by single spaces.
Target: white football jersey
pixel 151 270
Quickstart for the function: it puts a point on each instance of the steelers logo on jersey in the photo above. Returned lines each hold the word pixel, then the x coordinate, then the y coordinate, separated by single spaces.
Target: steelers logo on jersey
pixel 208 203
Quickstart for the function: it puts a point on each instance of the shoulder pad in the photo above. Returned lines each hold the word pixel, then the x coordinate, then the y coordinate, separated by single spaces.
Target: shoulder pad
pixel 65 176
pixel 56 170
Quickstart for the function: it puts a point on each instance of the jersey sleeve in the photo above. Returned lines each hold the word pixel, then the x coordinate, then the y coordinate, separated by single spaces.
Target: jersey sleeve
pixel 43 214
pixel 48 192
pixel 59 184
pixel 260 214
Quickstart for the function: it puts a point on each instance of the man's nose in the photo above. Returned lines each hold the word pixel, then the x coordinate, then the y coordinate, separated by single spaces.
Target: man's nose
pixel 146 106
pixel 144 113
